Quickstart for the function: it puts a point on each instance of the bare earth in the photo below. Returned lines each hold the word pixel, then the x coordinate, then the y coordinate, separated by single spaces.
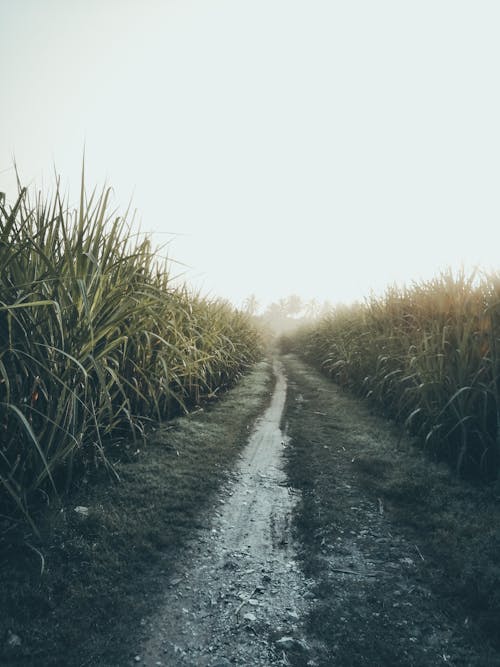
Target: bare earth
pixel 239 596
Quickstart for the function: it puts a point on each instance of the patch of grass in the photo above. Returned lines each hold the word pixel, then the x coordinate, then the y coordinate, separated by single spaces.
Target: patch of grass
pixel 104 572
pixel 458 522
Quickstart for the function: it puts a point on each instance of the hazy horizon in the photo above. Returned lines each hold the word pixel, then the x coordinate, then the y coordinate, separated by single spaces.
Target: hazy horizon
pixel 323 149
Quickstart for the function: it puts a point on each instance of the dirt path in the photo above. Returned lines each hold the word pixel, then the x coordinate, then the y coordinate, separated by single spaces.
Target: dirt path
pixel 324 548
pixel 336 544
pixel 239 596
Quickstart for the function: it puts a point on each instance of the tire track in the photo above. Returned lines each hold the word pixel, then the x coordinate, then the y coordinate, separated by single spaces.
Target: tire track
pixel 240 595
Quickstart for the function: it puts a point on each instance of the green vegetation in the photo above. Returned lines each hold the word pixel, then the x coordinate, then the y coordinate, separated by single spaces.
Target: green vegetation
pixel 427 355
pixel 106 571
pixel 95 344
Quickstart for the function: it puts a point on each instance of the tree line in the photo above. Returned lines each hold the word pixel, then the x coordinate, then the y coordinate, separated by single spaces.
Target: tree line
pixel 286 313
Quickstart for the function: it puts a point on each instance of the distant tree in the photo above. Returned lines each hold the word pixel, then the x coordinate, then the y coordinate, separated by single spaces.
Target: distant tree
pixel 280 306
pixel 285 314
pixel 251 305
pixel 275 311
pixel 293 304
pixel 312 309
pixel 326 307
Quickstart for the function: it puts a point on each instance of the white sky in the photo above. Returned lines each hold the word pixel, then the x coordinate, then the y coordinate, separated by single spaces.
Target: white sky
pixel 320 147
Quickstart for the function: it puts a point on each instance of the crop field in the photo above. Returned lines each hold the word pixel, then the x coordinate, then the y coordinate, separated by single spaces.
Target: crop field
pixel 105 362
pixel 95 344
pixel 427 356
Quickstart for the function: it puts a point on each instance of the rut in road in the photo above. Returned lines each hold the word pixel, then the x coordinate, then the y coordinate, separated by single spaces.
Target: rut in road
pixel 239 596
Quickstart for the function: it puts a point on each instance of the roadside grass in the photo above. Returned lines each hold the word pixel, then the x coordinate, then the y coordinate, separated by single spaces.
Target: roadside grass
pixel 427 356
pixel 459 523
pixel 96 344
pixel 453 524
pixel 76 595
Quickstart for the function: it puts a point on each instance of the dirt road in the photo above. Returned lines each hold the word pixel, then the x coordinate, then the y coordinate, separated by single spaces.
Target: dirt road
pixel 240 594
pixel 307 534
pixel 356 588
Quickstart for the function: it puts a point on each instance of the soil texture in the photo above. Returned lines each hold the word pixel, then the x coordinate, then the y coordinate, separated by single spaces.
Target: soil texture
pixel 388 537
pixel 239 595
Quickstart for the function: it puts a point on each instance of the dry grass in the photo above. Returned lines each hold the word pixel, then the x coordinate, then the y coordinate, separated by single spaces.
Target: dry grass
pixel 426 355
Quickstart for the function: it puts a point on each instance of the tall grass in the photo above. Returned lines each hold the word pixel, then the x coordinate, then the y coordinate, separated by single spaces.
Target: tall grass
pixel 95 342
pixel 429 356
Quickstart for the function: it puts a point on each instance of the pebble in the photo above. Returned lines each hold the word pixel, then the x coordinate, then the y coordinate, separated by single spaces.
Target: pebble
pixel 82 511
pixel 13 640
pixel 286 642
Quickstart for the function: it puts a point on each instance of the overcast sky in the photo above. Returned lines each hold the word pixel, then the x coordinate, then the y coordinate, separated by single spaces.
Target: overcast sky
pixel 320 147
